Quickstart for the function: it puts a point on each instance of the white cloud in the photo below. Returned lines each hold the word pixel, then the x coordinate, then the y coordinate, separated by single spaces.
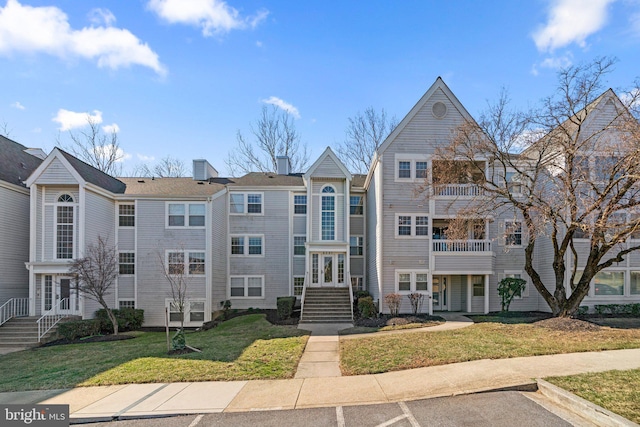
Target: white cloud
pixel 99 16
pixel 114 128
pixel 144 158
pixel 18 106
pixel 283 105
pixel 631 99
pixel 47 30
pixel 258 43
pixel 213 16
pixel 105 151
pixel 70 120
pixel 571 21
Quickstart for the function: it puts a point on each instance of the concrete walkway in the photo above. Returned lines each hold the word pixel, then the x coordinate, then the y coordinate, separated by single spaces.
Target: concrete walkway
pixel 135 400
pixel 321 357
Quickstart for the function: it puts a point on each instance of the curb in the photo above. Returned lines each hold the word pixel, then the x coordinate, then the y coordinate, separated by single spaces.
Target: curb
pixel 582 407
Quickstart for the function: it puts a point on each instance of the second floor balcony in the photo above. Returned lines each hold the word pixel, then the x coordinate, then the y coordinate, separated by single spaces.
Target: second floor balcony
pixel 473 245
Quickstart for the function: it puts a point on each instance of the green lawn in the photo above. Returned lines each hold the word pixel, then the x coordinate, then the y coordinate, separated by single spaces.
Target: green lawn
pixel 369 355
pixel 247 347
pixel 617 391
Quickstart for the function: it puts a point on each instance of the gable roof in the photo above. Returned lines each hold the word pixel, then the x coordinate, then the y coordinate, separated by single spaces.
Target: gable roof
pixel 328 153
pixel 15 164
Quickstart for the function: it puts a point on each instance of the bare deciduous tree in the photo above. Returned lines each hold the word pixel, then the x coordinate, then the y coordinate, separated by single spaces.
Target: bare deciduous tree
pixel 96 273
pixel 364 134
pixel 581 180
pixel 274 134
pixel 167 167
pixel 173 269
pixel 97 148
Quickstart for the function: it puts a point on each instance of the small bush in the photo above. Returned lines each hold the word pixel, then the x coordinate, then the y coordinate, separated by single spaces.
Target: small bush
pixel 129 319
pixel 285 306
pixel 76 329
pixel 582 310
pixel 226 305
pixel 178 341
pixel 393 302
pixel 366 307
pixel 618 309
pixel 416 299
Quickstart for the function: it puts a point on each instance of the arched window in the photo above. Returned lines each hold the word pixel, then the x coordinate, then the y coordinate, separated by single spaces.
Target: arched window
pixel 328 213
pixel 64 227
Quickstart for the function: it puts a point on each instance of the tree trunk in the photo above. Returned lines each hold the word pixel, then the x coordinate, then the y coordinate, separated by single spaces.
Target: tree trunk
pixel 114 321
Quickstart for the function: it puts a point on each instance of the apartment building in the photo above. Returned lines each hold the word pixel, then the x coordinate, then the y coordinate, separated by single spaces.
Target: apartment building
pixel 263 235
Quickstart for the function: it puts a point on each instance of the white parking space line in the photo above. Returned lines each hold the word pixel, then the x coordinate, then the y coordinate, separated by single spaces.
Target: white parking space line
pixel 196 420
pixel 409 415
pixel 340 416
pixel 392 421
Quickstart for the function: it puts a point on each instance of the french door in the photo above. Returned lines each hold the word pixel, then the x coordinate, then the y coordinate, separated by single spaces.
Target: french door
pixel 439 292
pixel 331 269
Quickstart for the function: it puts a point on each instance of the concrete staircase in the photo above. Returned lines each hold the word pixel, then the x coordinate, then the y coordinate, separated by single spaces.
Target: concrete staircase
pixel 22 332
pixel 326 305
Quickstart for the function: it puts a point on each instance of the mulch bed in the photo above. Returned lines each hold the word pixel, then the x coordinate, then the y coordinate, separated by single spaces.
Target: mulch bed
pixel 387 320
pixel 567 325
pixel 96 338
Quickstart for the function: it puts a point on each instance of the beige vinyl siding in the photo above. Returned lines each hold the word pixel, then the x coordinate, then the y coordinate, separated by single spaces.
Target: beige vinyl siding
pixel 298 266
pixel 374 235
pixel 457 290
pixel 126 239
pixel 300 224
pixel 328 169
pixel 463 262
pixel 14 244
pixel 126 288
pixel 153 242
pixel 220 249
pixel 56 174
pixel 99 219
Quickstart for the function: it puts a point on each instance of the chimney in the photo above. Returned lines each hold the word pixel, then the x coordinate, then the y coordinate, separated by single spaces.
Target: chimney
pixel 37 152
pixel 284 165
pixel 202 170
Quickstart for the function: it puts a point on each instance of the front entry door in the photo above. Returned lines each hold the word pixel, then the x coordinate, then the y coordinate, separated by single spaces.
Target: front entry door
pixel 66 296
pixel 332 270
pixel 439 292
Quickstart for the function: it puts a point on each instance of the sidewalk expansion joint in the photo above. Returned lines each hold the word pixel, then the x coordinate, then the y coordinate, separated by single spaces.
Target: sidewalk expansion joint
pixel 139 401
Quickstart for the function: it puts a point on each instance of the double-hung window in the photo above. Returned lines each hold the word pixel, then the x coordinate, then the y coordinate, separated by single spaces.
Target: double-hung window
pixel 186 214
pixel 411 281
pixel 246 245
pixel 127 215
pixel 410 225
pixel 513 233
pixel 299 204
pixel 245 203
pixel 404 225
pixel 126 263
pixel 298 245
pixel 356 205
pixel 190 263
pixel 246 287
pixel 356 246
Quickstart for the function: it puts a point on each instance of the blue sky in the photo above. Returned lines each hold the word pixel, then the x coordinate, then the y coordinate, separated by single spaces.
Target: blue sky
pixel 181 77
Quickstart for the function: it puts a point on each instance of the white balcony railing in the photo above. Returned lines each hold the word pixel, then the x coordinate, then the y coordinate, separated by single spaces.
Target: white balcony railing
pixel 462 245
pixel 458 190
pixel 15 307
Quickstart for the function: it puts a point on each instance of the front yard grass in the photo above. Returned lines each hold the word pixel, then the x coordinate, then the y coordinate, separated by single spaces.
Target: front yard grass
pixel 246 347
pixel 370 355
pixel 617 391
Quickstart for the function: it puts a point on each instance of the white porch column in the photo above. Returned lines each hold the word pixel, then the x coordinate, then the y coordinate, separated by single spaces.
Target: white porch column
pixel 469 293
pixel 486 293
pixel 430 292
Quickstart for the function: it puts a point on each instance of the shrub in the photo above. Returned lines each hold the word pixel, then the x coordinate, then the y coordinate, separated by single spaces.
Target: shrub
pixel 366 307
pixel 582 310
pixel 178 341
pixel 285 306
pixel 416 299
pixel 393 302
pixel 618 309
pixel 508 288
pixel 226 305
pixel 76 329
pixel 129 319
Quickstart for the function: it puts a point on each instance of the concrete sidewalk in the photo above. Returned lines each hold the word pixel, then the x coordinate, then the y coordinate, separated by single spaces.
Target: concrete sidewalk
pixel 135 400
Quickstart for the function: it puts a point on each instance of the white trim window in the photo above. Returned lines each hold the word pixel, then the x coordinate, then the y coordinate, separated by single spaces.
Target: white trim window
pixel 634 282
pixel 299 204
pixel 299 245
pixel 247 245
pixel 477 283
pixel 126 215
pixel 246 287
pixel 182 215
pixel 298 285
pixel 246 203
pixel 412 225
pixel 193 311
pixel 515 274
pixel 356 246
pixel 193 264
pixel 126 263
pixel 408 281
pixel 513 233
pixel 411 167
pixel 356 205
pixel 328 218
pixel 65 227
pixel 126 303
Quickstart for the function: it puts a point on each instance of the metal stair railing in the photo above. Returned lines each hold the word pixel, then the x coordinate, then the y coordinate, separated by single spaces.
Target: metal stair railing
pixel 15 307
pixel 51 318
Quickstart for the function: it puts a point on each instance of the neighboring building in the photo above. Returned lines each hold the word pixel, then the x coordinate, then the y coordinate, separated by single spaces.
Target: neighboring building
pixel 17 162
pixel 264 235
